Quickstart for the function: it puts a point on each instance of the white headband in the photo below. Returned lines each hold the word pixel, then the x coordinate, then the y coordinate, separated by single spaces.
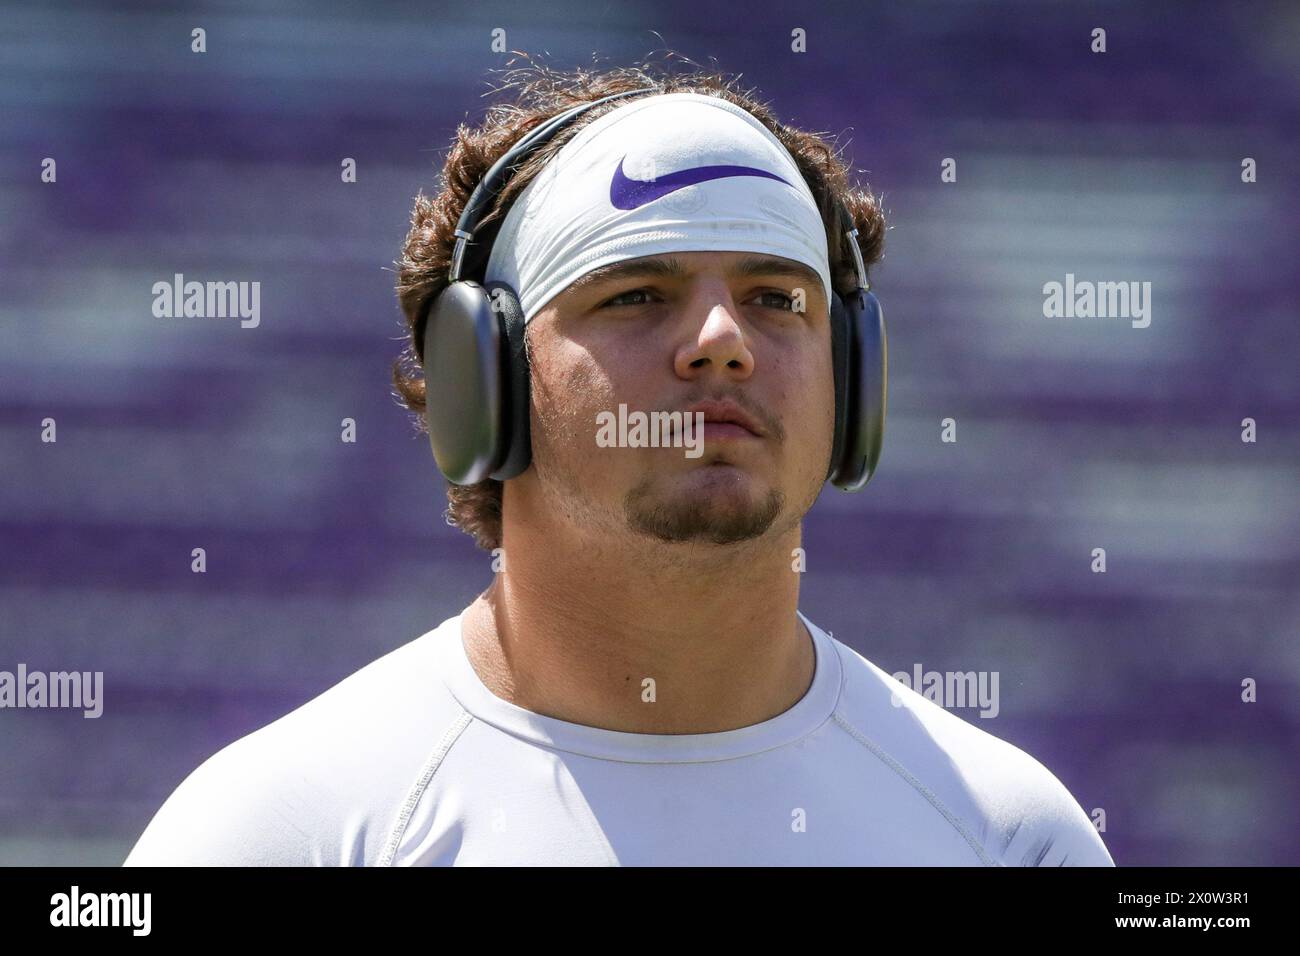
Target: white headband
pixel 673 172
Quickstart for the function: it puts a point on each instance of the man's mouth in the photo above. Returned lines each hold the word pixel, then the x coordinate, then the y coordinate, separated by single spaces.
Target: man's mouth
pixel 726 420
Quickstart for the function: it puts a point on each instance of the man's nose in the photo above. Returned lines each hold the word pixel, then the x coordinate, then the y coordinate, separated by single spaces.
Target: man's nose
pixel 717 340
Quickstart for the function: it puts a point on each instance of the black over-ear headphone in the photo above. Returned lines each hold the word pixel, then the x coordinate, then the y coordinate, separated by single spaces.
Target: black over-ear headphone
pixel 476 369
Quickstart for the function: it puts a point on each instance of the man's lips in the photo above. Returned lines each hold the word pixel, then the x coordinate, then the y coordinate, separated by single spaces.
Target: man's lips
pixel 726 420
pixel 727 431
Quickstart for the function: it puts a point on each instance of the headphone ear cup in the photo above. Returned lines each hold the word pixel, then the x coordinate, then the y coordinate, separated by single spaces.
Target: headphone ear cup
pixel 839 362
pixel 463 346
pixel 515 451
pixel 866 391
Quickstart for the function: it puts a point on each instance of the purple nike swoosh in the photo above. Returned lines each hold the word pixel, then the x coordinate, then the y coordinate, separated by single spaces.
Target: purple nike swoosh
pixel 627 193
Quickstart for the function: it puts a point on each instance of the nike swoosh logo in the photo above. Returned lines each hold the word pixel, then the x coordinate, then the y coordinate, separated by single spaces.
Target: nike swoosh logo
pixel 627 193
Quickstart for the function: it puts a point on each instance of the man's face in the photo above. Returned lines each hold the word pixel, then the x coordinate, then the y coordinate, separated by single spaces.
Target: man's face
pixel 707 329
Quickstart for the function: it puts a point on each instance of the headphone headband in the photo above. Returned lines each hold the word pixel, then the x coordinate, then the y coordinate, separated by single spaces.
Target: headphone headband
pixel 496 178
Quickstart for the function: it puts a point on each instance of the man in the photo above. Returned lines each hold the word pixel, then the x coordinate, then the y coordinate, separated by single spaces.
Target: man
pixel 637 685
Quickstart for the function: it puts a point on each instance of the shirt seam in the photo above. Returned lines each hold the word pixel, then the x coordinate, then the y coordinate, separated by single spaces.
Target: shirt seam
pixel 554 748
pixel 919 787
pixel 839 662
pixel 431 765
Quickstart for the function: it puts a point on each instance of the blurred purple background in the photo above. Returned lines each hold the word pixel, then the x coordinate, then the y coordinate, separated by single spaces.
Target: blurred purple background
pixel 1072 434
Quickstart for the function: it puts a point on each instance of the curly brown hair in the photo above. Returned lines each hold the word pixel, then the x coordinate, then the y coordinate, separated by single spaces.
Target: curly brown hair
pixel 540 93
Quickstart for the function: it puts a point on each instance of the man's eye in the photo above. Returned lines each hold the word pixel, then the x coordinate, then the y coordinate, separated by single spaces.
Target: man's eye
pixel 781 295
pixel 617 300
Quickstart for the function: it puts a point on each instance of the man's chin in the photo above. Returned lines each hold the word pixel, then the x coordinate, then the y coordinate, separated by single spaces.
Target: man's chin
pixel 714 504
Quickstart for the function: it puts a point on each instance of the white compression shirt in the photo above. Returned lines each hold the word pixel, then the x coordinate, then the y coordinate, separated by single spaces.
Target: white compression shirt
pixel 413 761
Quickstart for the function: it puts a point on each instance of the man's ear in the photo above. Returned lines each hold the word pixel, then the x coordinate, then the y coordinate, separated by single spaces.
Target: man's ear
pixel 528 342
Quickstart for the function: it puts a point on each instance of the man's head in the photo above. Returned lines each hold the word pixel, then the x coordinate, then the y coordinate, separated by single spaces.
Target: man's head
pixel 634 317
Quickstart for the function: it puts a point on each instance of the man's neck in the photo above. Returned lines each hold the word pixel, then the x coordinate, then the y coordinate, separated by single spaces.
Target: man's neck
pixel 696 645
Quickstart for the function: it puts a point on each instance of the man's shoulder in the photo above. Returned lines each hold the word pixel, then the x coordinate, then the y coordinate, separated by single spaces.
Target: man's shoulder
pixel 322 785
pixel 1011 808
